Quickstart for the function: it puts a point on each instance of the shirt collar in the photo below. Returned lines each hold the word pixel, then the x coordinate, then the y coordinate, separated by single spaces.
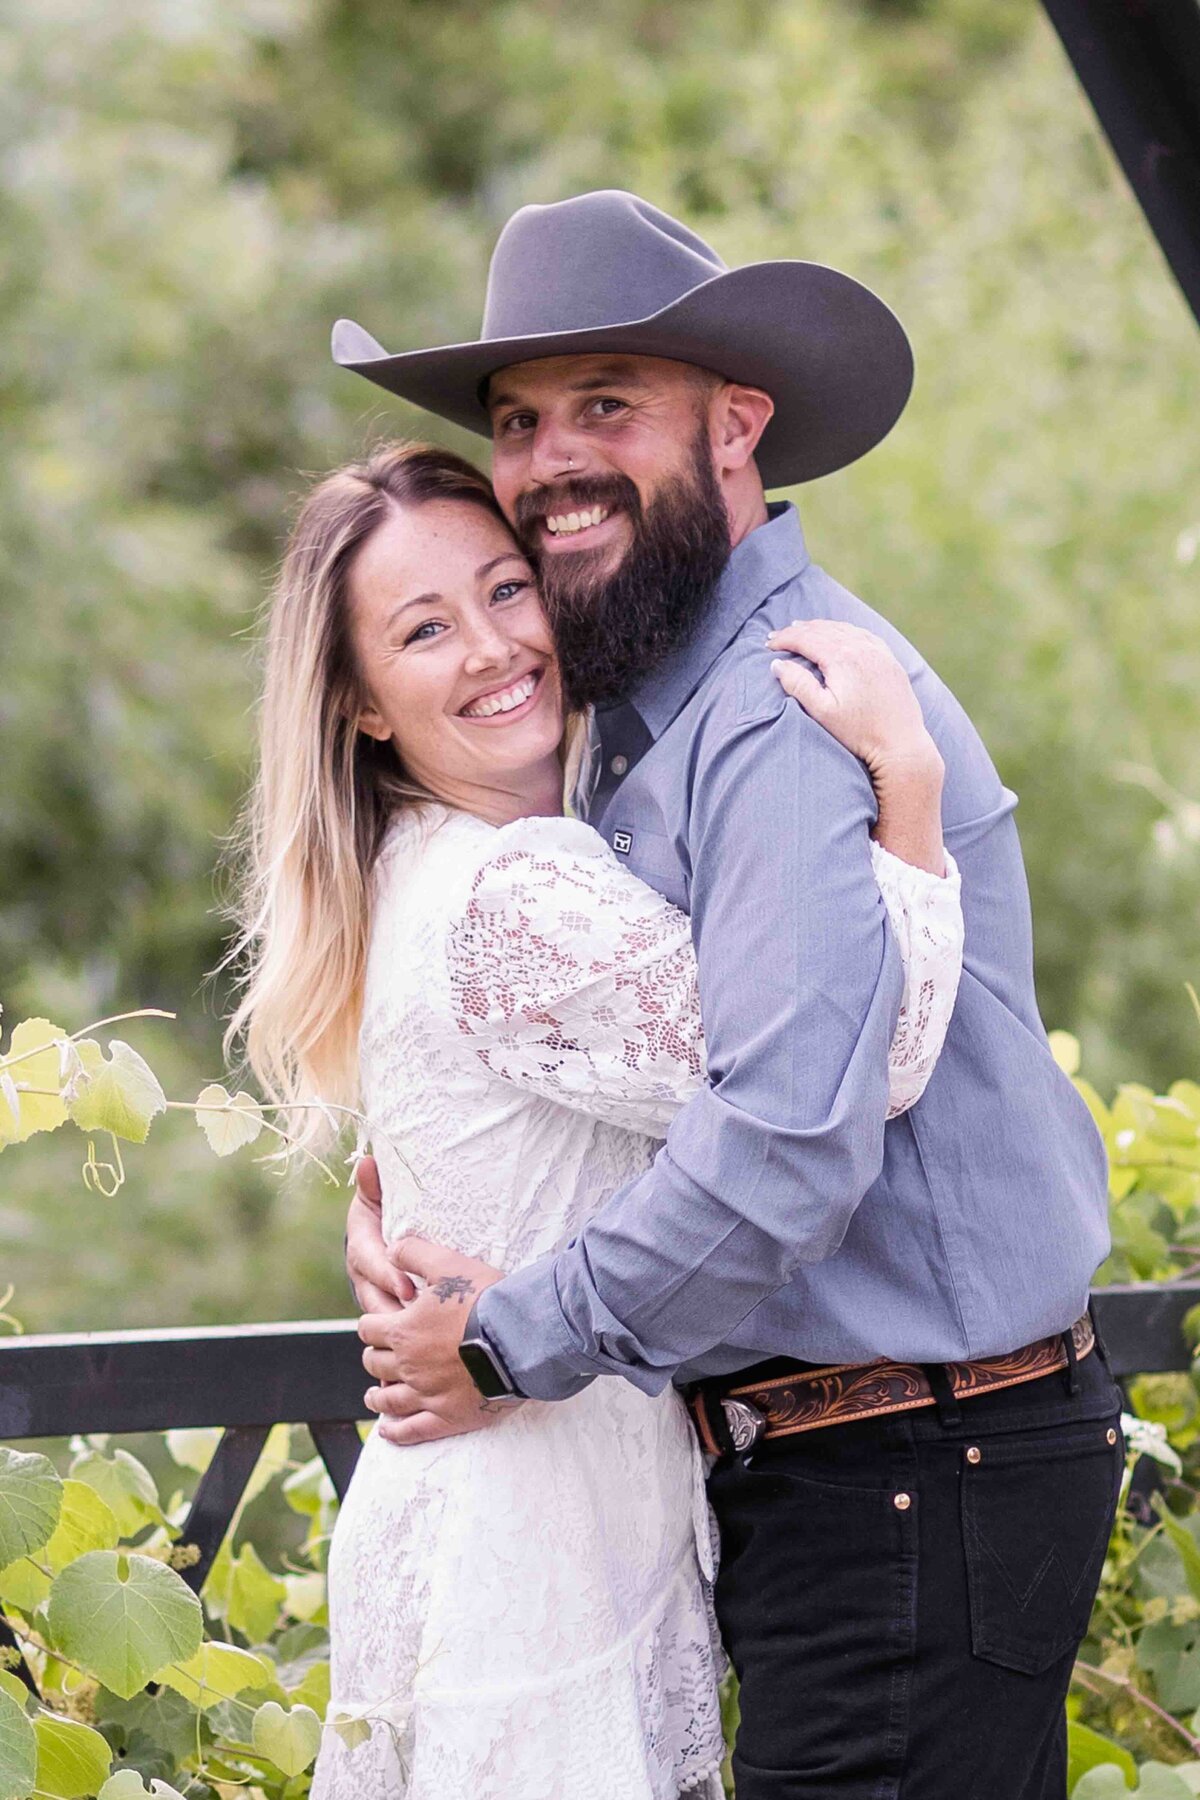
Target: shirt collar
pixel 767 558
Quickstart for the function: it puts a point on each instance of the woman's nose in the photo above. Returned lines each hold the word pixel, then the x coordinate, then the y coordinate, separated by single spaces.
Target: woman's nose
pixel 487 647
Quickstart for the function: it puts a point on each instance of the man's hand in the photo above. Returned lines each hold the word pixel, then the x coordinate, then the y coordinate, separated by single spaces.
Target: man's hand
pixel 425 1392
pixel 378 1284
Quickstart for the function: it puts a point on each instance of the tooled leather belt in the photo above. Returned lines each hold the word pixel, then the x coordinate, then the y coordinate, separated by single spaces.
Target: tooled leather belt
pixel 813 1398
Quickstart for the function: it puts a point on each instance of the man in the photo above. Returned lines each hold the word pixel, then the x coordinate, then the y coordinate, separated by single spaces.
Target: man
pixel 882 1328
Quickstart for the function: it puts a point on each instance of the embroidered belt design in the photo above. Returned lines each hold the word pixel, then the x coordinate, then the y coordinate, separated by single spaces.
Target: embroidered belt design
pixel 809 1400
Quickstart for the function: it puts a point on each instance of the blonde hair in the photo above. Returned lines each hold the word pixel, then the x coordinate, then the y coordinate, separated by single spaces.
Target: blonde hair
pixel 323 796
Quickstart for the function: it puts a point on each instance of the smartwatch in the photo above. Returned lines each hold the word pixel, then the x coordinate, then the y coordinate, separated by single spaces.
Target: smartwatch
pixel 485 1365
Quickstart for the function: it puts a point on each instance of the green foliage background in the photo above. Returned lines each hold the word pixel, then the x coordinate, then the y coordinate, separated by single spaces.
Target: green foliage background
pixel 189 194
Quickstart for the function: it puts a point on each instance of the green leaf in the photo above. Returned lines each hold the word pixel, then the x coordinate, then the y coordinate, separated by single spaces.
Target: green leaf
pixel 306 1596
pixel 314 1690
pixel 85 1523
pixel 1087 1749
pixel 352 1731
pixel 120 1095
pixel 73 1760
pixel 12 1684
pixel 24 1586
pixel 154 1731
pixel 1066 1052
pixel 1184 1541
pixel 30 1499
pixel 309 1489
pixel 123 1618
pixel 18 1750
pixel 288 1739
pixel 126 1784
pixel 194 1448
pixel 124 1484
pixel 236 1122
pixel 39 1111
pixel 256 1596
pixel 1157 1782
pixel 217 1672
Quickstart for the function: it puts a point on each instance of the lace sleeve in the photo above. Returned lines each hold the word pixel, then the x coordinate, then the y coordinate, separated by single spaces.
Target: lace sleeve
pixel 576 980
pixel 926 916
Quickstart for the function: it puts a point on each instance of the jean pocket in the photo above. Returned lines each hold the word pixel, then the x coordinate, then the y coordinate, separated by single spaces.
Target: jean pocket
pixel 1037 1513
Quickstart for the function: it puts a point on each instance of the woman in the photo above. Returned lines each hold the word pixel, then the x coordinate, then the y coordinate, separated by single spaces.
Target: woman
pixel 521 1612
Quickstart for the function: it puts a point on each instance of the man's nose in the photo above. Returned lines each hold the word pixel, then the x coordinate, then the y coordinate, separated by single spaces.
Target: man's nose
pixel 556 452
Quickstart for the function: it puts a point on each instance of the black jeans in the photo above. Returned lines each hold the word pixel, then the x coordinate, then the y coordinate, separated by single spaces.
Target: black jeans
pixel 902 1598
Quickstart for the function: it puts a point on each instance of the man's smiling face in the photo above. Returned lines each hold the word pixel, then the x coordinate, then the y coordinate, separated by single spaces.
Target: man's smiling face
pixel 605 466
pixel 567 428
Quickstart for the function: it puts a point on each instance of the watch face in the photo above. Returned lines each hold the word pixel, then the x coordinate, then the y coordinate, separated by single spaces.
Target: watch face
pixel 483 1371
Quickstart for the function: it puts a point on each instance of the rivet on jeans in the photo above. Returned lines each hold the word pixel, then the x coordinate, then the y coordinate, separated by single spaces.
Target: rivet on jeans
pixel 1111 1435
pixel 974 1454
pixel 902 1502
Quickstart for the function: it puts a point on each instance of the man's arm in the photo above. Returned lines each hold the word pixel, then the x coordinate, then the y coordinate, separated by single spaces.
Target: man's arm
pixel 800 984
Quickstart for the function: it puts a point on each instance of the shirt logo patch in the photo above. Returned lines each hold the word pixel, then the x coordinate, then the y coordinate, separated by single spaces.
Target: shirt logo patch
pixel 623 842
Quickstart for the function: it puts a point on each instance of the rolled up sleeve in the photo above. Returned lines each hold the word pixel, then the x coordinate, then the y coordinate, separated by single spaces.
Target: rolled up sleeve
pixel 800 985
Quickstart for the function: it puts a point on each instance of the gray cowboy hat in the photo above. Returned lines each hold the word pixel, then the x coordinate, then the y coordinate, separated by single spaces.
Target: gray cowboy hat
pixel 609 272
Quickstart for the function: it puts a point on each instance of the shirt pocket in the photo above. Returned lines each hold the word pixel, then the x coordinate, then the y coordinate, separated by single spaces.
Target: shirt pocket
pixel 652 856
pixel 1037 1512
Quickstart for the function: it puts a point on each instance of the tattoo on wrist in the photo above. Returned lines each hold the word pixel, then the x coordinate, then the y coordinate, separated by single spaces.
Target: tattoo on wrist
pixel 452 1287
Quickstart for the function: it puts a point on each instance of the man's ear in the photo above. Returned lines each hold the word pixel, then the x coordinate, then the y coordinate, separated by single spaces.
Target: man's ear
pixel 740 416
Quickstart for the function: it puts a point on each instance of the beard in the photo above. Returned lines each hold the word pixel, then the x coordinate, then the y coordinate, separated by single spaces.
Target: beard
pixel 612 627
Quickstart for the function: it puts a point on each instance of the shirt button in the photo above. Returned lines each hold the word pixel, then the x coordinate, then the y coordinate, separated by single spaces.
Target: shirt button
pixel 619 764
pixel 902 1502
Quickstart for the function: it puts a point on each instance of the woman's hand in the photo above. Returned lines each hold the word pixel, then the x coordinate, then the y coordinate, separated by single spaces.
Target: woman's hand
pixel 868 705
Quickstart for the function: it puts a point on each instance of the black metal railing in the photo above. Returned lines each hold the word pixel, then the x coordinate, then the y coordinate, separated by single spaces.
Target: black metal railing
pixel 247 1378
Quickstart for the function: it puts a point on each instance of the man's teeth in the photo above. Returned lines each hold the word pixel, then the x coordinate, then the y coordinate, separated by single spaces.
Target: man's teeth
pixel 501 703
pixel 562 524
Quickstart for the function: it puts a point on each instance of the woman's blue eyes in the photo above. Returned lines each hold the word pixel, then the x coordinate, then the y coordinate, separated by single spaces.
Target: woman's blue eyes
pixel 507 590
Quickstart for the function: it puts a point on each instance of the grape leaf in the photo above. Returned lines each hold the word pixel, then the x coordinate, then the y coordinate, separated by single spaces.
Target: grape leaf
pixel 124 1484
pixel 123 1617
pixel 30 1499
pixel 1087 1749
pixel 18 1750
pixel 236 1121
pixel 288 1739
pixel 39 1111
pixel 351 1730
pixel 86 1522
pixel 217 1672
pixel 72 1759
pixel 126 1784
pixel 120 1095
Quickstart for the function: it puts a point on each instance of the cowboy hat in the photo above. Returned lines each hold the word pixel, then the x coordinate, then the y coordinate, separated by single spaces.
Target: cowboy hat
pixel 609 272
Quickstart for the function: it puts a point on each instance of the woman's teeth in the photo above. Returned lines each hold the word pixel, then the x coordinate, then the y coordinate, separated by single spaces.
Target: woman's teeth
pixel 562 524
pixel 502 703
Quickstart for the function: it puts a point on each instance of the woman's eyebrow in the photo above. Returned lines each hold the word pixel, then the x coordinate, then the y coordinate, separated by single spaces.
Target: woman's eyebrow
pixel 419 600
pixel 487 567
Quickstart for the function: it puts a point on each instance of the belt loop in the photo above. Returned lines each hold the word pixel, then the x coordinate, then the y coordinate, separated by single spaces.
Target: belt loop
pixel 1072 1369
pixel 947 1402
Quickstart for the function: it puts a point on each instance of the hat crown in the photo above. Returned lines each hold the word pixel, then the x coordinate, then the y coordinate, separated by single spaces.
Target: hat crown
pixel 594 260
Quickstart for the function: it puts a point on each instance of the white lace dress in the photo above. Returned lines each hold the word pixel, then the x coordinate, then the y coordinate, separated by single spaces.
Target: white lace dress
pixel 520 1614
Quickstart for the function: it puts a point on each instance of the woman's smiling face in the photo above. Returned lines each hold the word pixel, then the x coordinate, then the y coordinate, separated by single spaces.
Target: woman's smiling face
pixel 457 659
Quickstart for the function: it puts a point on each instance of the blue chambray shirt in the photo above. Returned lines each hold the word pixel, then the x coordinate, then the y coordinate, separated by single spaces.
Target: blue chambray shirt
pixel 782 1215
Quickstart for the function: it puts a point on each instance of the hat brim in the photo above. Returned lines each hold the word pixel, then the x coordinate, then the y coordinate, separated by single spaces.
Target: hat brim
pixel 834 359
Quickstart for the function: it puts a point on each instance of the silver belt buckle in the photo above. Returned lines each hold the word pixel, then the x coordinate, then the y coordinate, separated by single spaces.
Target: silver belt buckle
pixel 746 1424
